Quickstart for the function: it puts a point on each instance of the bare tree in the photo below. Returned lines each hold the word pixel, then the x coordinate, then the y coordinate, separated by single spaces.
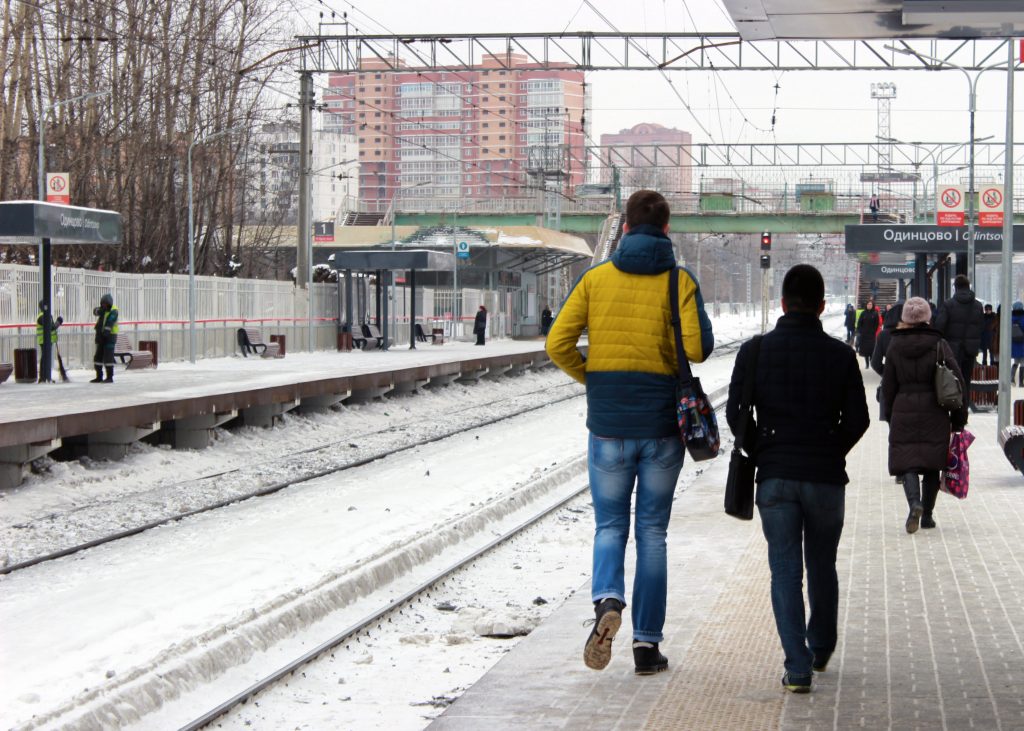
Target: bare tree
pixel 172 71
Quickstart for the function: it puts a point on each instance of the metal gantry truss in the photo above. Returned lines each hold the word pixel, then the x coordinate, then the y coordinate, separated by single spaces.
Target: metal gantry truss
pixel 587 51
pixel 798 154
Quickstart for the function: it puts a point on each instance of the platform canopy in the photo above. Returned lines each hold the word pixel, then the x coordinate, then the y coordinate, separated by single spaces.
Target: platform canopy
pixel 869 19
pixel 27 222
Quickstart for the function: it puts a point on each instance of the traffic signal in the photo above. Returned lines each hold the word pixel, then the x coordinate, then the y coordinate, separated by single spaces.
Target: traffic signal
pixel 766 261
pixel 766 241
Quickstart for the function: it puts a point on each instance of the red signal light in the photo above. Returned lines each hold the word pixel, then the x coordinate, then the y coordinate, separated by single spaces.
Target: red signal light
pixel 766 241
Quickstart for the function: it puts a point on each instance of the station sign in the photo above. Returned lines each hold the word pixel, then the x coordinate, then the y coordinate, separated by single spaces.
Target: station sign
pixel 58 188
pixel 888 271
pixel 462 250
pixel 925 239
pixel 323 231
pixel 990 206
pixel 950 204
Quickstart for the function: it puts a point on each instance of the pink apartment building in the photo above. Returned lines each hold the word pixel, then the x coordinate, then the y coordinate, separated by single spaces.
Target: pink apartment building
pixel 649 156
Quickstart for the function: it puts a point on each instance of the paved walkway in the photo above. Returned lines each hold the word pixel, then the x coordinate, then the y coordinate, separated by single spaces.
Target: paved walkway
pixel 931 629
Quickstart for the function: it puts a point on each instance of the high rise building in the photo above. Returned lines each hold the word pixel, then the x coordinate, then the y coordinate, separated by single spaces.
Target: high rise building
pixel 648 156
pixel 449 140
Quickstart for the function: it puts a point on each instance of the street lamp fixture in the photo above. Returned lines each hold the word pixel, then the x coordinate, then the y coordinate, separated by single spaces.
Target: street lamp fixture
pixel 192 243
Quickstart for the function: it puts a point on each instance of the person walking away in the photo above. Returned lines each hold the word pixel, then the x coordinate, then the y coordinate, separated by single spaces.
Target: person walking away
pixel 106 339
pixel 850 320
pixel 480 324
pixel 545 320
pixel 41 318
pixel 874 204
pixel 810 412
pixel 867 326
pixel 960 320
pixel 1017 343
pixel 890 321
pixel 634 440
pixel 988 328
pixel 919 428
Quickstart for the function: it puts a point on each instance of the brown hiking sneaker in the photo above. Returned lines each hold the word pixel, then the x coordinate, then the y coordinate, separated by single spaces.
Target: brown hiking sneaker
pixel 597 653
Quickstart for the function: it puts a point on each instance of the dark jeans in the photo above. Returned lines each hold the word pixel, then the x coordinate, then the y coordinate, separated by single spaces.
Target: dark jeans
pixel 966 364
pixel 802 522
pixel 480 337
pixel 986 356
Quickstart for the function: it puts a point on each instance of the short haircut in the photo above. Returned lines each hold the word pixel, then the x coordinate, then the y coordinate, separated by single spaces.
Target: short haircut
pixel 961 282
pixel 647 206
pixel 803 289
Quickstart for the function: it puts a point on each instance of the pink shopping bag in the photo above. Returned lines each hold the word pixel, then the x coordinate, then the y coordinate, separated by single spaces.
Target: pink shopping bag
pixel 955 477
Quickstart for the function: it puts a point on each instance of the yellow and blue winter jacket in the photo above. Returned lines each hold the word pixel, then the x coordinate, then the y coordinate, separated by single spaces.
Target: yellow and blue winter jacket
pixel 631 369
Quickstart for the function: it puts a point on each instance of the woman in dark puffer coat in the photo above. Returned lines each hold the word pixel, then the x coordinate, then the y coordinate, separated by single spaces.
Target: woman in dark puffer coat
pixel 919 428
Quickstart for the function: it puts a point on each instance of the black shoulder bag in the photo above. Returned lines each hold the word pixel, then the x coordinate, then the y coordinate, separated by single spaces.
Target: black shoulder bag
pixel 739 486
pixel 698 426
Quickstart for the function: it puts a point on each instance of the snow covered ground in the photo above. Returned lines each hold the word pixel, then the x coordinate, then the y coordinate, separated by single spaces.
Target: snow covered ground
pixel 158 628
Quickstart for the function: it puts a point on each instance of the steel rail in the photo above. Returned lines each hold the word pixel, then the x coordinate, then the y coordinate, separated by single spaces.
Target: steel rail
pixel 210 716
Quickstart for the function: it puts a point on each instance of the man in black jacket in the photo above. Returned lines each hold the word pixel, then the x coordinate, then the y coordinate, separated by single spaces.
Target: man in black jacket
pixel 811 411
pixel 960 319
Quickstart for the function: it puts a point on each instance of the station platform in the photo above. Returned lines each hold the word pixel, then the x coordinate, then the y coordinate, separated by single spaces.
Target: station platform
pixel 931 625
pixel 181 403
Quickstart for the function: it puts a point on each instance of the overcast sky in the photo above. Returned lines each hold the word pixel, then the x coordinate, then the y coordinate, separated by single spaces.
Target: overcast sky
pixel 810 106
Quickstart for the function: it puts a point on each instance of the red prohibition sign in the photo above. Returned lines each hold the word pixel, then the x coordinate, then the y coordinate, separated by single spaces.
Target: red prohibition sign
pixel 992 198
pixel 57 184
pixel 951 197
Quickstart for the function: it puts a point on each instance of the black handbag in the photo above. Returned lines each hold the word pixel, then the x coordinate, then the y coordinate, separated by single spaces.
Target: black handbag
pixel 698 425
pixel 739 485
pixel 948 389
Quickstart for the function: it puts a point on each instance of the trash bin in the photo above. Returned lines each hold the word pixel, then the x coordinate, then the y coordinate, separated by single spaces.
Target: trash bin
pixel 25 366
pixel 344 340
pixel 153 347
pixel 280 340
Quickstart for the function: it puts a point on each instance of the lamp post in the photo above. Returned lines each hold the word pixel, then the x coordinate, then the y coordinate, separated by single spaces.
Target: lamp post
pixel 192 245
pixel 44 243
pixel 972 87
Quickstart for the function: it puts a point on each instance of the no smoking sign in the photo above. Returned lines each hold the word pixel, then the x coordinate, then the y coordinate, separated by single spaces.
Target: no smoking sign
pixel 950 207
pixel 58 188
pixel 991 213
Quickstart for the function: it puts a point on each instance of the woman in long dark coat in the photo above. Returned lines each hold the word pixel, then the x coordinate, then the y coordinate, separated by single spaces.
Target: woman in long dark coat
pixel 867 328
pixel 480 324
pixel 919 428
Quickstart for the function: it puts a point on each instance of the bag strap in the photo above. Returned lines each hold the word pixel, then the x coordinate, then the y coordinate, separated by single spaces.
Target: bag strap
pixel 747 405
pixel 685 374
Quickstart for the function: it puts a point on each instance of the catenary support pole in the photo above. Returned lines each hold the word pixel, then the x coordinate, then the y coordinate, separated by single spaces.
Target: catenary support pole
pixel 1006 272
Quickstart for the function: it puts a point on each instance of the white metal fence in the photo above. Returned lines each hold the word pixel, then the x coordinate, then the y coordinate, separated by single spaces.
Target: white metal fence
pixel 155 307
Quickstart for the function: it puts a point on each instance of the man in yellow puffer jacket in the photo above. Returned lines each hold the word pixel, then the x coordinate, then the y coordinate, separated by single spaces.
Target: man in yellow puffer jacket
pixel 630 373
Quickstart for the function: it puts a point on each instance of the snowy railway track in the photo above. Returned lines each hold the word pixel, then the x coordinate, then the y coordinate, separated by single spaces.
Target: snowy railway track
pixel 305 475
pixel 382 615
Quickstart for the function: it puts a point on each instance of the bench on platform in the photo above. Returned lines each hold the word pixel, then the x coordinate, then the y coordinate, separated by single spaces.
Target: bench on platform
pixel 250 340
pixel 6 369
pixel 985 387
pixel 437 336
pixel 372 332
pixel 363 340
pixel 129 356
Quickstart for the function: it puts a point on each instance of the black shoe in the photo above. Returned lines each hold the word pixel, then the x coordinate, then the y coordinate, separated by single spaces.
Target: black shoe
pixel 98 379
pixel 927 521
pixel 820 662
pixel 796 685
pixel 647 659
pixel 914 518
pixel 597 653
pixel 107 380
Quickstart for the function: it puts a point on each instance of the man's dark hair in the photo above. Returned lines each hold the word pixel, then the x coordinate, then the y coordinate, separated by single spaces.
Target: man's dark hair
pixel 961 282
pixel 647 206
pixel 803 289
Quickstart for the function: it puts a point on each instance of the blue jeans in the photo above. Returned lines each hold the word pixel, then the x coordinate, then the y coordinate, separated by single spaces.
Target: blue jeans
pixel 802 522
pixel 615 465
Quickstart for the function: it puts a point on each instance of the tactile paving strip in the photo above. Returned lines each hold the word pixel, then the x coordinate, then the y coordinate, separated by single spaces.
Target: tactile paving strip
pixel 730 677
